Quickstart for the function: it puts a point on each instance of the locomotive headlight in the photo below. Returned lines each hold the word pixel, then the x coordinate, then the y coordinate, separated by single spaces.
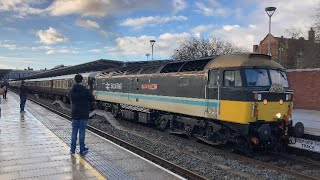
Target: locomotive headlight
pixel 265 102
pixel 281 102
pixel 278 115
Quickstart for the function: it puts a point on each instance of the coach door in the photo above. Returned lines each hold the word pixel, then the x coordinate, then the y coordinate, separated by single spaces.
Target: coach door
pixel 212 94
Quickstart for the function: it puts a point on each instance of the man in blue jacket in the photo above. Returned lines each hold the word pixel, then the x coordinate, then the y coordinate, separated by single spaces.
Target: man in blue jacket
pixel 81 99
pixel 23 90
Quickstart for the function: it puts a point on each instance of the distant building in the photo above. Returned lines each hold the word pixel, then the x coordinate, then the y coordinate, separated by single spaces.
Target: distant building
pixel 292 53
pixel 17 74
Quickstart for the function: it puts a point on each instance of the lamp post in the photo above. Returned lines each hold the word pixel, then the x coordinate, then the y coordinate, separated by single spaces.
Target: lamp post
pixel 300 59
pixel 280 53
pixel 152 43
pixel 147 56
pixel 269 11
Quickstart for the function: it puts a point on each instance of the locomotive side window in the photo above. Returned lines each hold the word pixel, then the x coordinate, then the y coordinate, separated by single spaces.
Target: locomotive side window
pixel 213 78
pixel 232 78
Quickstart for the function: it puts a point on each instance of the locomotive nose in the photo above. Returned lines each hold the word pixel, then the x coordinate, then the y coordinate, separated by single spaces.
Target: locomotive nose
pixel 264 132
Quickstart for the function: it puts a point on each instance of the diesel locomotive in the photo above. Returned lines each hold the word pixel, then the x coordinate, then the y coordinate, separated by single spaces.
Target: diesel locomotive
pixel 239 99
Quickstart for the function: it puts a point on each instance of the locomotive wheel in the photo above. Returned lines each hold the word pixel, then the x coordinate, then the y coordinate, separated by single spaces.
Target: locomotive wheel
pixel 188 130
pixel 115 111
pixel 162 125
pixel 64 99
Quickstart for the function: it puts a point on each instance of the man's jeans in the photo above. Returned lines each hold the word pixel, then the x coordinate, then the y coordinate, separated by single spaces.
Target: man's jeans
pixel 23 100
pixel 80 125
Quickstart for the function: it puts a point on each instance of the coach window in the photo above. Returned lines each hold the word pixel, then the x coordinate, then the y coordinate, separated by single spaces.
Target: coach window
pixel 232 78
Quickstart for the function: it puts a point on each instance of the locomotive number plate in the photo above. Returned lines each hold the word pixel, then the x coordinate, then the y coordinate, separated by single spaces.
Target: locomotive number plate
pixel 305 144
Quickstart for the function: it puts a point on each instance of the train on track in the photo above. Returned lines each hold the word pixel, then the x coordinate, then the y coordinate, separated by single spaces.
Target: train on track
pixel 239 99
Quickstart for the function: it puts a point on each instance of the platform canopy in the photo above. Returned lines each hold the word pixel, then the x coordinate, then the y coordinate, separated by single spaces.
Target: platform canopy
pixel 98 65
pixel 4 72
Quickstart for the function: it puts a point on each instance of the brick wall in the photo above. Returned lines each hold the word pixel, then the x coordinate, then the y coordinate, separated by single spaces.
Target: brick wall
pixel 306 88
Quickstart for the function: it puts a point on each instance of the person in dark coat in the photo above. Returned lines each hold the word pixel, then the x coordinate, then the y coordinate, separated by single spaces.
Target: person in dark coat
pixel 80 98
pixel 2 90
pixel 4 95
pixel 23 90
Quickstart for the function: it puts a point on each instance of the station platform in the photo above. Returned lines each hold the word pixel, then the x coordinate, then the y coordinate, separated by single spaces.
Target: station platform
pixel 310 120
pixel 36 146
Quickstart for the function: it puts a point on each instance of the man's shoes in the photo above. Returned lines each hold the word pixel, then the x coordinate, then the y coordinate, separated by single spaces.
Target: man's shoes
pixel 84 151
pixel 72 152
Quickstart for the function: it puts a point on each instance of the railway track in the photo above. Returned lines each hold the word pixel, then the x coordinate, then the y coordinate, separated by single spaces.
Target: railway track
pixel 190 175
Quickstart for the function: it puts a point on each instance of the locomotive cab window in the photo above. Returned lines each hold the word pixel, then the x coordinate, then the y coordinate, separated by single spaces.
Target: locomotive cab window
pixel 232 78
pixel 279 77
pixel 257 77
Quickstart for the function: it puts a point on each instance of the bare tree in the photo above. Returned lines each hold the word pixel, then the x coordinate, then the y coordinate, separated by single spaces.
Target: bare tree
pixel 200 47
pixel 295 33
pixel 316 18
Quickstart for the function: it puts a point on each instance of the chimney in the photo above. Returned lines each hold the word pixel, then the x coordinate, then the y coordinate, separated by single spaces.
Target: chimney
pixel 311 35
pixel 255 48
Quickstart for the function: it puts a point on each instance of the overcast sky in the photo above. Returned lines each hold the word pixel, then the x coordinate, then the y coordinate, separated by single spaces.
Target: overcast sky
pixel 46 33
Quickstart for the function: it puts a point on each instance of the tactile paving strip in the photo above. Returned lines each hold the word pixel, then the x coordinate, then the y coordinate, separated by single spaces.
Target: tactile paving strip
pixel 105 168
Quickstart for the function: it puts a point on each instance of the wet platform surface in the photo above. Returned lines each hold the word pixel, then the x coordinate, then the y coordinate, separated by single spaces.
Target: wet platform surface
pixel 38 148
pixel 29 150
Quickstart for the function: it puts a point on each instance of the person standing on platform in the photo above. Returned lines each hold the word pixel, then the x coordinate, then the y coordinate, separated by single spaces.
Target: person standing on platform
pixel 2 90
pixel 23 90
pixel 5 84
pixel 80 98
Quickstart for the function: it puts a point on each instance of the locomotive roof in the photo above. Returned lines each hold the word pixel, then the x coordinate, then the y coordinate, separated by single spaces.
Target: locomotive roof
pixel 160 67
pixel 243 60
pixel 223 61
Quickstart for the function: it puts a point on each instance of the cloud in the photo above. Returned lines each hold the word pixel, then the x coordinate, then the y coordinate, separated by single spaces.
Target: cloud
pixel 56 49
pixel 230 27
pixel 51 51
pixel 7 44
pixel 51 36
pixel 21 7
pixel 91 8
pixel 178 5
pixel 13 62
pixel 213 8
pixel 201 28
pixel 87 23
pixel 139 46
pixel 95 50
pixel 96 8
pixel 61 50
pixel 138 23
pixel 17 60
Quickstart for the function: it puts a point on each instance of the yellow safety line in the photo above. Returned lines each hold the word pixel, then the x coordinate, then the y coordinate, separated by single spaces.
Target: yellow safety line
pixel 79 158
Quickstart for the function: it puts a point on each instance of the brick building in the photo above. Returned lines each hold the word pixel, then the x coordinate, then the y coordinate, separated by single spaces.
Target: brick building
pixel 292 53
pixel 305 84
